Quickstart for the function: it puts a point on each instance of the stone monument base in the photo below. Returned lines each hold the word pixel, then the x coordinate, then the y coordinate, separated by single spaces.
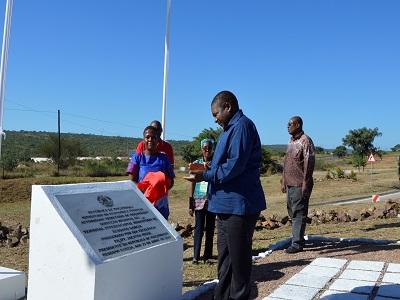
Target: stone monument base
pixel 12 284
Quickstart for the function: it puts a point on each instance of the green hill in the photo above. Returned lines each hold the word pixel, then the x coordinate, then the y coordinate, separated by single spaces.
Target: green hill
pixel 26 144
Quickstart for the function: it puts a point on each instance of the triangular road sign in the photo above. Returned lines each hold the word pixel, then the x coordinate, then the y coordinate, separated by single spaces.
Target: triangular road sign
pixel 371 158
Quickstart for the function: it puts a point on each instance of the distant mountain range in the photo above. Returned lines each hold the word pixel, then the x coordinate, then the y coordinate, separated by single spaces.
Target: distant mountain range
pixel 26 144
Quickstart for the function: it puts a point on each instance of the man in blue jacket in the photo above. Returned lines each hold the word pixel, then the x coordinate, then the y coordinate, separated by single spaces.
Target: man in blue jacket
pixel 235 195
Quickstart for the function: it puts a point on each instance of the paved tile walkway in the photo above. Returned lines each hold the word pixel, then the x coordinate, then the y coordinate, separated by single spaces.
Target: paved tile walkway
pixel 340 279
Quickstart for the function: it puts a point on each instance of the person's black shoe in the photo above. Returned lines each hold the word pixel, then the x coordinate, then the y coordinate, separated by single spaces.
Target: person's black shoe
pixel 292 250
pixel 195 261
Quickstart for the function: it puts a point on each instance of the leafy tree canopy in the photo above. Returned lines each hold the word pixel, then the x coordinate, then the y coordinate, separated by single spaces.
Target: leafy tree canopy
pixel 361 140
pixel 319 149
pixel 396 148
pixel 192 151
pixel 70 150
pixel 340 151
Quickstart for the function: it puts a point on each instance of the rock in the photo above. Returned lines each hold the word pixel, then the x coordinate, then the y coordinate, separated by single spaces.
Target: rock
pixel 262 218
pixel 12 242
pixel 24 231
pixel 380 213
pixel 365 214
pixel 259 225
pixel 343 217
pixel 187 231
pixel 17 231
pixel 24 239
pixel 284 220
pixel 270 224
pixel 178 227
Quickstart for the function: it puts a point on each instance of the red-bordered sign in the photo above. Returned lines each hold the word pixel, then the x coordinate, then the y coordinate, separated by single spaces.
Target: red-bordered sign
pixel 371 158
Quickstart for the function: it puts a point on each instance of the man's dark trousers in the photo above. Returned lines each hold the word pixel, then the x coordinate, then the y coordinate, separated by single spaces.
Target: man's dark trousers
pixel 297 207
pixel 235 235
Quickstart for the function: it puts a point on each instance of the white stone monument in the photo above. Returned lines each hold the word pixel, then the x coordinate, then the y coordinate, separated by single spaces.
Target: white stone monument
pixel 12 284
pixel 101 241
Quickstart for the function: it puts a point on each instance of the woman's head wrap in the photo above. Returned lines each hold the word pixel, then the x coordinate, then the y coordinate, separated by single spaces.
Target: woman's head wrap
pixel 207 141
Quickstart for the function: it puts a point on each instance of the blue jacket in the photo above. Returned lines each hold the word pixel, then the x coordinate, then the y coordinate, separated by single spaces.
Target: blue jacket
pixel 234 175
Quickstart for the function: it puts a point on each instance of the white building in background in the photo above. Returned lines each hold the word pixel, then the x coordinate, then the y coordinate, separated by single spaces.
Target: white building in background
pixel 41 159
pixel 81 158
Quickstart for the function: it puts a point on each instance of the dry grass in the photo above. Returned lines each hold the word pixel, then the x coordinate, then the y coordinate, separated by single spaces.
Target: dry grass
pixel 15 208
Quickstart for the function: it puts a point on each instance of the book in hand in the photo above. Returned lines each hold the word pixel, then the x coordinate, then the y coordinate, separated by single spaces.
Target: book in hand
pixel 196 167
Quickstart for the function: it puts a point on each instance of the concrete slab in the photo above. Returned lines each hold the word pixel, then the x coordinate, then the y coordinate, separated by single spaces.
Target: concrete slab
pixel 391 278
pixel 12 284
pixel 293 292
pixel 366 265
pixel 360 274
pixel 389 290
pixel 309 280
pixel 355 286
pixel 395 268
pixel 337 295
pixel 328 262
pixel 321 271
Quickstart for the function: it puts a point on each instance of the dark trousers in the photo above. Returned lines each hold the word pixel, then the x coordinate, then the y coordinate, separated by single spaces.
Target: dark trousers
pixel 205 221
pixel 235 235
pixel 297 207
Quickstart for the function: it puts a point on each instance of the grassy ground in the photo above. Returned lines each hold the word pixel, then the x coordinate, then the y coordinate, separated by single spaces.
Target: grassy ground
pixel 15 208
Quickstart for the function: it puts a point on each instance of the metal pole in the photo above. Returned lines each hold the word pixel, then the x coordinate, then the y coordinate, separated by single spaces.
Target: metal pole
pixel 3 63
pixel 59 143
pixel 165 82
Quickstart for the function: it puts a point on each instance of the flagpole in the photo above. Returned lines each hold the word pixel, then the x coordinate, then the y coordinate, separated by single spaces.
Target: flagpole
pixel 3 64
pixel 165 81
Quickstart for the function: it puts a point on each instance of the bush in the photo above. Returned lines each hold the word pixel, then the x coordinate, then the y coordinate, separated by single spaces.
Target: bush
pixel 322 165
pixel 359 161
pixel 339 172
pixel 352 176
pixel 104 168
pixel 8 162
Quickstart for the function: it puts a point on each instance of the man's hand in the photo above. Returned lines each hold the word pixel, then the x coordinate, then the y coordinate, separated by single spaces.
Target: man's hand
pixel 283 189
pixel 283 186
pixel 198 175
pixel 191 212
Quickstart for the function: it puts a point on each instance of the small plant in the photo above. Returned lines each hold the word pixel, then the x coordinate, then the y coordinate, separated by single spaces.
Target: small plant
pixel 352 176
pixel 339 172
pixel 329 175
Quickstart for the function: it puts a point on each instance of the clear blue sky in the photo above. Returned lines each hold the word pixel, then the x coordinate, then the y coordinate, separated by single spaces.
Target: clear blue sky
pixel 335 63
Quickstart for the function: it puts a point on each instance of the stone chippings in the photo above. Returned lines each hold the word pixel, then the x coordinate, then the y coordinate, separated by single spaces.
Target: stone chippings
pixel 338 279
pixel 12 236
pixel 391 209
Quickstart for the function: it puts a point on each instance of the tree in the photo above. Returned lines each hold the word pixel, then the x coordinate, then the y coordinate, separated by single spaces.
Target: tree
pixel 361 140
pixel 266 161
pixel 70 150
pixel 188 153
pixel 340 151
pixel 396 148
pixel 359 161
pixel 319 150
pixel 192 151
pixel 9 162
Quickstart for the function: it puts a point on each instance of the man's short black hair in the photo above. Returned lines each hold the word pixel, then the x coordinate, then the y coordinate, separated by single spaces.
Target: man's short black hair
pixel 150 128
pixel 226 96
pixel 299 120
pixel 157 125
